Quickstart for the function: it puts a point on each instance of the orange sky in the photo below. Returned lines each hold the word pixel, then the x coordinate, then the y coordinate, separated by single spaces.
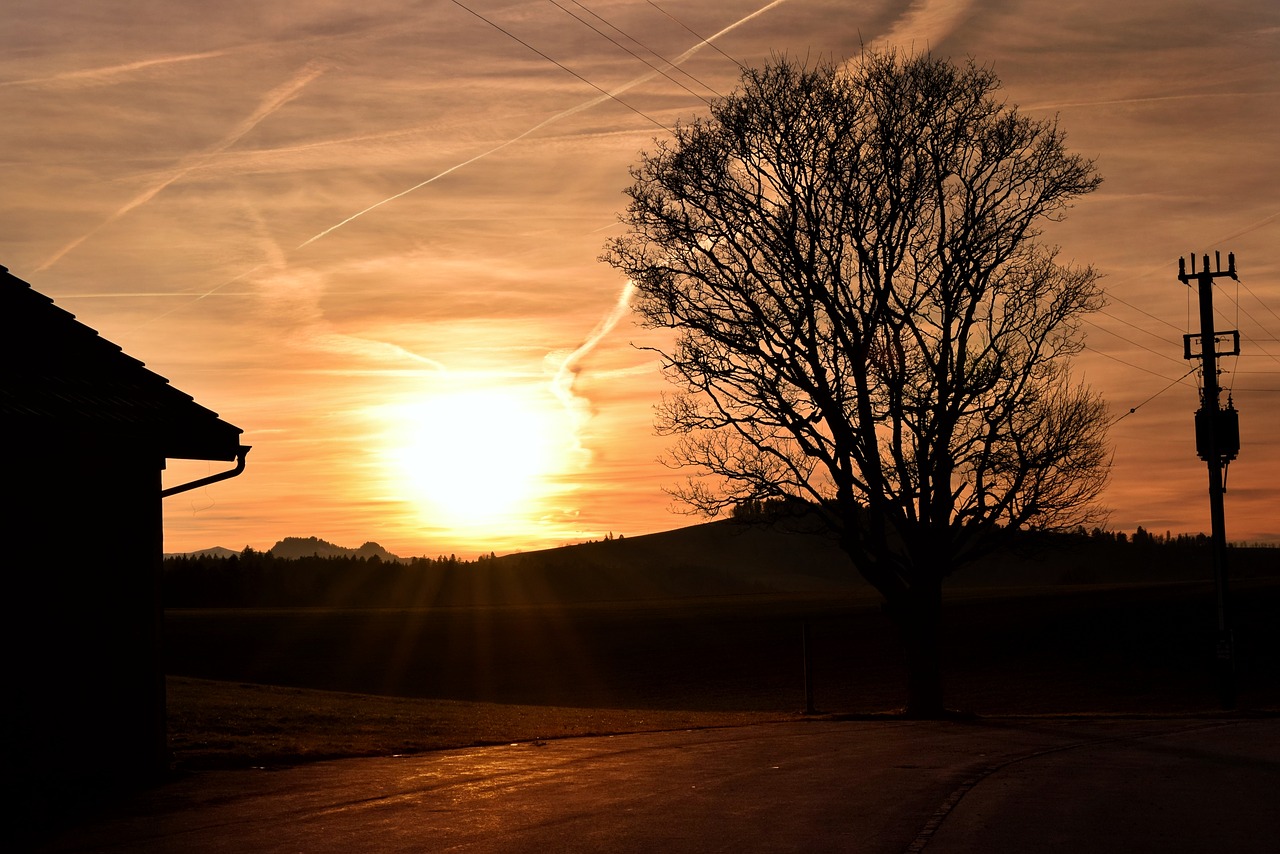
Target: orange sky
pixel 453 370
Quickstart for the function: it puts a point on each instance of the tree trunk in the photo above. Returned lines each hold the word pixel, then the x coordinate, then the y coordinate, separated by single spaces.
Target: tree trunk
pixel 919 615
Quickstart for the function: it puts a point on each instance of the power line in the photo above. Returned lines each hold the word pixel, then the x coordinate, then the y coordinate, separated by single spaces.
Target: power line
pixel 668 63
pixel 695 34
pixel 1258 298
pixel 560 65
pixel 1173 326
pixel 626 49
pixel 1128 364
pixel 1154 396
pixel 1255 342
pixel 1118 319
pixel 1134 343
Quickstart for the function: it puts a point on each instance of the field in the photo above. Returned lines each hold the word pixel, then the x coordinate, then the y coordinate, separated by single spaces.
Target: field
pixel 378 681
pixel 215 724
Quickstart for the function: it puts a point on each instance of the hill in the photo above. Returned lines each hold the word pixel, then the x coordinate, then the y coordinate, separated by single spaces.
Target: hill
pixel 715 559
pixel 789 556
pixel 296 547
pixel 721 557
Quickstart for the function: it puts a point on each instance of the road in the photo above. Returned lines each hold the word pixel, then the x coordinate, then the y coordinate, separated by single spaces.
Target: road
pixel 990 785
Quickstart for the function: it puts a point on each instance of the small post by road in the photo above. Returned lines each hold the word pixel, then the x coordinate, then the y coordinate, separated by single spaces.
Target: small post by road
pixel 806 652
pixel 1217 443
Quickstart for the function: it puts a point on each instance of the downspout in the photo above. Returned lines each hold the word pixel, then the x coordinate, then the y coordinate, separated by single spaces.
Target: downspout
pixel 214 478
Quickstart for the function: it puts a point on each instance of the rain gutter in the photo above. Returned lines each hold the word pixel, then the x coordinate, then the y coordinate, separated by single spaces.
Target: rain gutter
pixel 214 478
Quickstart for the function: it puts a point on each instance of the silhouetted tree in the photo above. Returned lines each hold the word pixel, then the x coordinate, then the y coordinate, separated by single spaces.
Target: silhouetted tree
pixel 863 317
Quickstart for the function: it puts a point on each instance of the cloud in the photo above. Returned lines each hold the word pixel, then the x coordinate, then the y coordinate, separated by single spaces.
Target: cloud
pixel 563 380
pixel 270 103
pixel 107 74
pixel 292 297
pixel 1188 96
pixel 926 24
pixel 604 97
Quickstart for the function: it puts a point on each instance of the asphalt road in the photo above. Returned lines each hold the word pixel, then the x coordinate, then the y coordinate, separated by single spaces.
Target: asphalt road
pixel 991 785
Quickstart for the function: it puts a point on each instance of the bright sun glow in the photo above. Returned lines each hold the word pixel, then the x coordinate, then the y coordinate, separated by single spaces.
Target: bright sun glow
pixel 475 459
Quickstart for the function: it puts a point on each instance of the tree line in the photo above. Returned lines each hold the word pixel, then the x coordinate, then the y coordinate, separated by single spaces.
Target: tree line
pixel 261 579
pixel 258 579
pixel 604 570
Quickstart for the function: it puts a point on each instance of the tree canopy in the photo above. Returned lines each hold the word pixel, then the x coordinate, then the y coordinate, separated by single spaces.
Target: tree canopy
pixel 863 315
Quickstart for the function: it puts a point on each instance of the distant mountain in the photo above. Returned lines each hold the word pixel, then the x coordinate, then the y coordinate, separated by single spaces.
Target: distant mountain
pixel 295 547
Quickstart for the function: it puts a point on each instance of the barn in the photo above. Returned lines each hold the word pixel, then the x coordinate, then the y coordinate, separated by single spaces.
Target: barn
pixel 87 431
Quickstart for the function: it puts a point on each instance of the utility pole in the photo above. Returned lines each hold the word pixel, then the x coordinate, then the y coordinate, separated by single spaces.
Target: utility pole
pixel 1217 443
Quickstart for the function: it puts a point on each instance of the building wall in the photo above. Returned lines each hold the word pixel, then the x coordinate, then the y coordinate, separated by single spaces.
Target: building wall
pixel 82 630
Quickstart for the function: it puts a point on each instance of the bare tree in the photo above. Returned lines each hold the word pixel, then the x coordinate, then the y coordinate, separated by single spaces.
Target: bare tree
pixel 863 317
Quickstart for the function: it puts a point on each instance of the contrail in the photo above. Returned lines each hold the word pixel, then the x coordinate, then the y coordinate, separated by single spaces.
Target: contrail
pixel 562 382
pixel 273 101
pixel 930 20
pixel 586 105
pixel 1248 228
pixel 97 74
pixel 709 39
pixel 422 184
pixel 157 294
pixel 1188 96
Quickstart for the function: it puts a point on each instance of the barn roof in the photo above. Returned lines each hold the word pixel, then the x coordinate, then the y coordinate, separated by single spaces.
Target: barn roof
pixel 62 379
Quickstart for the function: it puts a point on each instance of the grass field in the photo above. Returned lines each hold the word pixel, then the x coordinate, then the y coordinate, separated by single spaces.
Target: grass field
pixel 216 724
pixel 268 687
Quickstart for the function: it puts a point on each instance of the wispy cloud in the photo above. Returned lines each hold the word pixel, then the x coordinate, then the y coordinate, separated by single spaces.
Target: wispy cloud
pixel 270 103
pixel 926 23
pixel 570 365
pixel 293 299
pixel 108 74
pixel 1153 99
pixel 605 97
pixel 563 381
pixel 491 272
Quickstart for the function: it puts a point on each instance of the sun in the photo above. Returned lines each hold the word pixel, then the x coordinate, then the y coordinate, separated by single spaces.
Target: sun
pixel 479 458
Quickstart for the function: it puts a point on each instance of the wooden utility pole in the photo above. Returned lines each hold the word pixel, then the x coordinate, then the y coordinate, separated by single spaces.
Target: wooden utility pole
pixel 1217 443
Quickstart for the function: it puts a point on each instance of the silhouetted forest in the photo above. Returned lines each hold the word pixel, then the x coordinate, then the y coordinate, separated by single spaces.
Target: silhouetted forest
pixel 731 557
pixel 254 578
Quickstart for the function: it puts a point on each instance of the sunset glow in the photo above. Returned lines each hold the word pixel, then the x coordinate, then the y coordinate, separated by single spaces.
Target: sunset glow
pixel 480 460
pixel 368 234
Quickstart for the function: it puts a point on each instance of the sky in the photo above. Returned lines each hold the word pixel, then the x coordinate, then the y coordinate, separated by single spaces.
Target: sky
pixel 368 235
